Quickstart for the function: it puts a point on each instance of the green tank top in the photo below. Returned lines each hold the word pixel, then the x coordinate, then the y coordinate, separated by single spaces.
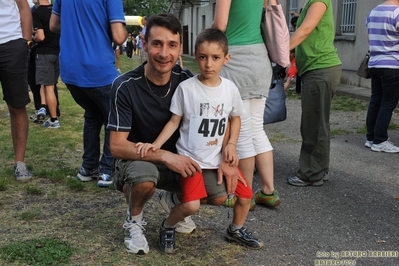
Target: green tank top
pixel 243 27
pixel 317 51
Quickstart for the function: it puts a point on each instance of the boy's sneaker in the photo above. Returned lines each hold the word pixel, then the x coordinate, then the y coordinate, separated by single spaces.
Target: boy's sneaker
pixel 135 240
pixel 296 181
pixel 243 237
pixel 167 239
pixel 368 143
pixel 86 175
pixel 49 124
pixel 105 180
pixel 21 172
pixel 385 146
pixel 231 200
pixel 270 201
pixel 165 198
pixel 187 225
pixel 41 114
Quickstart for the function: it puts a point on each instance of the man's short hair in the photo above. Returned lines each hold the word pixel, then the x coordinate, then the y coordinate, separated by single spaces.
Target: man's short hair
pixel 213 36
pixel 165 20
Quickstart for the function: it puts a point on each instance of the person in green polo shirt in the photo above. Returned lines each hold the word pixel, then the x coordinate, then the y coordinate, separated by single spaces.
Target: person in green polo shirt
pixel 320 68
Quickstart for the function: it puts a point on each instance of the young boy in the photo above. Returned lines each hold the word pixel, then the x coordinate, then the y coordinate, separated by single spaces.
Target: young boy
pixel 205 104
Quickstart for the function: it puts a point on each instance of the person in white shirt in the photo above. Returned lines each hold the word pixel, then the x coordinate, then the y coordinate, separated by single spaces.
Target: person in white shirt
pixel 15 42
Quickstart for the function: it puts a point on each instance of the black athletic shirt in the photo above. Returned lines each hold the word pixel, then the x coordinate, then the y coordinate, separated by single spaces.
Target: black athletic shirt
pixel 135 109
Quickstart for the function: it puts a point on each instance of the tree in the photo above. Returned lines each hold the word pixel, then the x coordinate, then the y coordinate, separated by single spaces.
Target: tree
pixel 145 7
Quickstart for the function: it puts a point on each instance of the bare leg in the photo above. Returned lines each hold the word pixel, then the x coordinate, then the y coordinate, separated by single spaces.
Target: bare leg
pixel 247 168
pixel 138 196
pixel 51 100
pixel 182 210
pixel 264 163
pixel 241 209
pixel 42 95
pixel 19 131
pixel 216 202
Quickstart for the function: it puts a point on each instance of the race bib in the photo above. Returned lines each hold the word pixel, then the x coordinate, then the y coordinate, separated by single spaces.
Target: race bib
pixel 206 132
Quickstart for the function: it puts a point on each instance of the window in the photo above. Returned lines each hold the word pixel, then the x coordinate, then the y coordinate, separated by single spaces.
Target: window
pixel 294 5
pixel 348 16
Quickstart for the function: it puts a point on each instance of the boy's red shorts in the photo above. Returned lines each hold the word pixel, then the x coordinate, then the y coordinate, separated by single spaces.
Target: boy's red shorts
pixel 193 188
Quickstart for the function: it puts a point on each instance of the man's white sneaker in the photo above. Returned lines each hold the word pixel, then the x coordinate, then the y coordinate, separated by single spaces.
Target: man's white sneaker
pixel 186 226
pixel 385 146
pixel 166 200
pixel 368 143
pixel 135 240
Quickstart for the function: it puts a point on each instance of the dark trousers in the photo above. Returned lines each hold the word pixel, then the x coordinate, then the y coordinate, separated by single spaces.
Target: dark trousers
pixel 129 49
pixel 298 84
pixel 318 88
pixel 384 99
pixel 96 103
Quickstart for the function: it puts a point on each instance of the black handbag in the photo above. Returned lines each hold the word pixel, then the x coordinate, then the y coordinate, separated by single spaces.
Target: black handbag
pixel 363 70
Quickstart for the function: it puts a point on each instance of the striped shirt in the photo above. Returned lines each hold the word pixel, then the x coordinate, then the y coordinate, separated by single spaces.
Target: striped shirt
pixel 383 32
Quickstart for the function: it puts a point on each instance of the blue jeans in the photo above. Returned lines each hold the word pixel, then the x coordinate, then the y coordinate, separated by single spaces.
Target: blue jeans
pixel 96 103
pixel 384 99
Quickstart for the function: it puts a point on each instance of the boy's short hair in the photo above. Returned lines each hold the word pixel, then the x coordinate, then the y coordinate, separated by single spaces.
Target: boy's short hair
pixel 213 36
pixel 166 20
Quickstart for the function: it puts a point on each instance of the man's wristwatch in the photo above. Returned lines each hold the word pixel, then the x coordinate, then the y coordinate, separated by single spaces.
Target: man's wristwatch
pixel 30 44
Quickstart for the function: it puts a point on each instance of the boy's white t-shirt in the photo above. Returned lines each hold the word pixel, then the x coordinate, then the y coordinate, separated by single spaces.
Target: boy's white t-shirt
pixel 205 112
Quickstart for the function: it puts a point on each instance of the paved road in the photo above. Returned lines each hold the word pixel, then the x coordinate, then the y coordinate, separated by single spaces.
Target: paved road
pixel 351 219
